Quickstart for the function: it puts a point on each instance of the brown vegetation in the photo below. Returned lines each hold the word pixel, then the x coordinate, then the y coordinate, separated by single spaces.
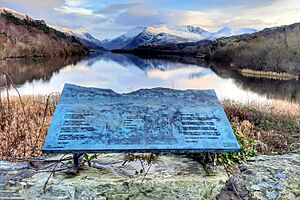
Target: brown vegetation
pixel 33 38
pixel 273 49
pixel 23 125
pixel 268 75
pixel 275 126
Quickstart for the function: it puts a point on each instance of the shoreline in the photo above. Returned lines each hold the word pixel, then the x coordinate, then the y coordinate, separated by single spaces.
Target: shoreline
pixel 268 74
pixel 207 58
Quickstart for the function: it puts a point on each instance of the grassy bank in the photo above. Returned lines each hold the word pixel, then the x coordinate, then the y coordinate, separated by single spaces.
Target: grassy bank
pixel 24 122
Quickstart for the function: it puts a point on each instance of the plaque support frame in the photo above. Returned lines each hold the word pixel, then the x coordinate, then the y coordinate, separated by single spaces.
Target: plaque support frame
pixel 76 162
pixel 210 170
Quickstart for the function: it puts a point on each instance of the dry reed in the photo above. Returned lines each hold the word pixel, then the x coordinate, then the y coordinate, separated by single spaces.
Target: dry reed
pixel 274 125
pixel 279 108
pixel 23 124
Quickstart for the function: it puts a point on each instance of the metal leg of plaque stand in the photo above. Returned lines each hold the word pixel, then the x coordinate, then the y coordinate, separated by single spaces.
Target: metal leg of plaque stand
pixel 211 169
pixel 76 162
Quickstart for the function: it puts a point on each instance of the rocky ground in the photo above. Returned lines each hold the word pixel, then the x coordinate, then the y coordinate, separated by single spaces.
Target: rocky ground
pixel 170 177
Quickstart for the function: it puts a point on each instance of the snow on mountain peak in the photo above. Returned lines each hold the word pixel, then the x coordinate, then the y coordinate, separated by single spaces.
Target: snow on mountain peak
pixel 188 32
pixel 162 34
pixel 75 31
pixel 157 29
pixel 245 31
pixel 226 32
pixel 82 35
pixel 134 32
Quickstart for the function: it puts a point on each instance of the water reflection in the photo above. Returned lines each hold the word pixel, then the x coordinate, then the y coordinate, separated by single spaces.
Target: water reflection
pixel 126 72
pixel 288 90
pixel 27 70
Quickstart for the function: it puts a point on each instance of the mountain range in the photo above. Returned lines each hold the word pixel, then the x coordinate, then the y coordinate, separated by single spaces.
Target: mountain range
pixel 148 35
pixel 165 34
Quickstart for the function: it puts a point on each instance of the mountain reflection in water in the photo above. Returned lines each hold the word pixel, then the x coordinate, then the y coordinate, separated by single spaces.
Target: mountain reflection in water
pixel 126 72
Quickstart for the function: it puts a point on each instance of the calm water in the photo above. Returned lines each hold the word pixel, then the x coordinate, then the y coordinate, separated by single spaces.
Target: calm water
pixel 125 73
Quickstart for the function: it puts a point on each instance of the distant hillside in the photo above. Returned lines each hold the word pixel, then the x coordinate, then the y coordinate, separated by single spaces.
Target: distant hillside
pixel 201 49
pixel 272 49
pixel 21 36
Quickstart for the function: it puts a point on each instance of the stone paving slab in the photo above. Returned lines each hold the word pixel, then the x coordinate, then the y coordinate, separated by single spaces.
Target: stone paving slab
pixel 171 177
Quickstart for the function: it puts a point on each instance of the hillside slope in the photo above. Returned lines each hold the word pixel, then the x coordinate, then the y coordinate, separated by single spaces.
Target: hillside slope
pixel 83 36
pixel 25 37
pixel 272 49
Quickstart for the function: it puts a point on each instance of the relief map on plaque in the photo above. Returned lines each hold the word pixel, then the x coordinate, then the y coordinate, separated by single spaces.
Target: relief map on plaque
pixel 147 120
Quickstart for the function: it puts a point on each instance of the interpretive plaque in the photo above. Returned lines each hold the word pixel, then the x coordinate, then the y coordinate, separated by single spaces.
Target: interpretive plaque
pixel 147 120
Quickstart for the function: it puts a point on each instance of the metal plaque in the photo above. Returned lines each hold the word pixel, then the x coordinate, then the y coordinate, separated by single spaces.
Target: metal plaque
pixel 147 120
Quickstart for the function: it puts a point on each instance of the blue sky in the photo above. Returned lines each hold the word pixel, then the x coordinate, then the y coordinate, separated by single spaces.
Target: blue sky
pixel 108 19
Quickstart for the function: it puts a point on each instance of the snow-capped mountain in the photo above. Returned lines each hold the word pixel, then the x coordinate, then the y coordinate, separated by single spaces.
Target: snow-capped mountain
pixel 156 34
pixel 83 36
pixel 122 41
pixel 163 34
pixel 226 32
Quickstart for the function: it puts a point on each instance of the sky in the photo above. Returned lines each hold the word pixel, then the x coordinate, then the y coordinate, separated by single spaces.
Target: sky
pixel 111 18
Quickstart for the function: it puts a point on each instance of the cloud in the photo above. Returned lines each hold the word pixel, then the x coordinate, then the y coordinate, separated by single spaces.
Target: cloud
pixel 80 12
pixel 70 10
pixel 272 14
pixel 190 18
pixel 109 18
pixel 115 8
pixel 143 14
pixel 32 3
pixel 74 3
pixel 208 5
pixel 136 17
pixel 238 22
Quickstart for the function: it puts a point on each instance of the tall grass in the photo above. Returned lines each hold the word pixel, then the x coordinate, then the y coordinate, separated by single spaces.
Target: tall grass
pixel 274 125
pixel 23 123
pixel 279 108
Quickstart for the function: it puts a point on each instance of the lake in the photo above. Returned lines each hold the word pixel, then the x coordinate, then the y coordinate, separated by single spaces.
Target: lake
pixel 126 72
